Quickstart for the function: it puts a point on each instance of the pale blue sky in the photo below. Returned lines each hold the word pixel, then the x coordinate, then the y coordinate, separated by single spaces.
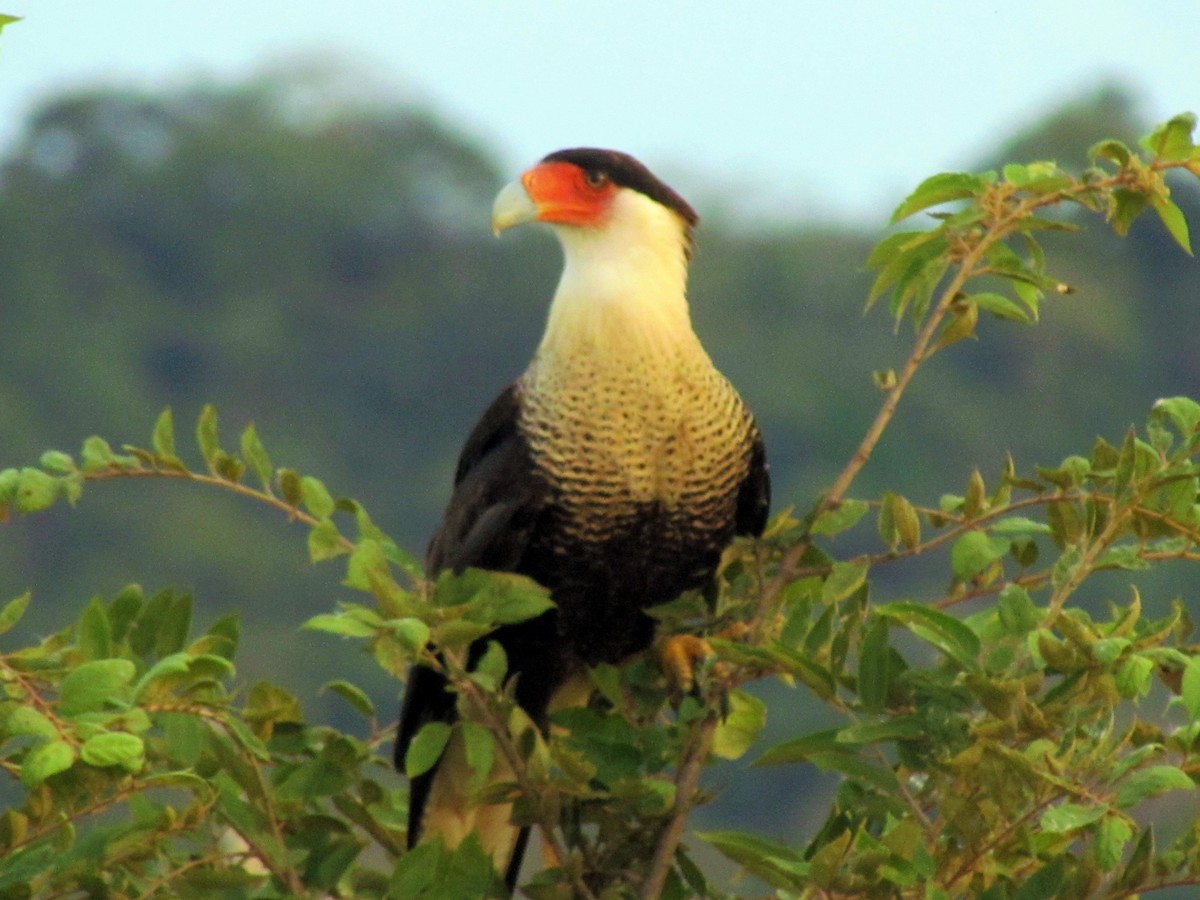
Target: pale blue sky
pixel 832 108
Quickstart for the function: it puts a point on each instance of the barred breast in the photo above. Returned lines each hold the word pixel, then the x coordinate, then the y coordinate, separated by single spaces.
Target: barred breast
pixel 614 439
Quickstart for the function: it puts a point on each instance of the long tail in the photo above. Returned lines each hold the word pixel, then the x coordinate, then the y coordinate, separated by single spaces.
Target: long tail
pixel 441 802
pixel 451 812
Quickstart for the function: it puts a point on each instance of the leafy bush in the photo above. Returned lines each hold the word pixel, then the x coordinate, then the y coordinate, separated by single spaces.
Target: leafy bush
pixel 1001 739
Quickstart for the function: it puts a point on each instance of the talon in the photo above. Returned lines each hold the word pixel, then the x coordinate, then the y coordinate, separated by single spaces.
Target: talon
pixel 679 656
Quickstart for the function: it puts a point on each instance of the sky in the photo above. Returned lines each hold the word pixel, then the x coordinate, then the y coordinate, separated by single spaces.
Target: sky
pixel 791 109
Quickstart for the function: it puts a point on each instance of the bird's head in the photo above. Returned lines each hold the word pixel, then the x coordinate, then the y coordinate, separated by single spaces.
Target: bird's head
pixel 589 189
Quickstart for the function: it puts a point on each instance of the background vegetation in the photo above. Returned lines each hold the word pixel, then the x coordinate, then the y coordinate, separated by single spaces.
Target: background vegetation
pixel 323 269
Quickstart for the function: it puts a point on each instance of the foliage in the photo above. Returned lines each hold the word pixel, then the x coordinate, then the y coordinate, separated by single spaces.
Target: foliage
pixel 1001 739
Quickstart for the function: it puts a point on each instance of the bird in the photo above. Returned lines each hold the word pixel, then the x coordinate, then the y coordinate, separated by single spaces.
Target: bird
pixel 613 472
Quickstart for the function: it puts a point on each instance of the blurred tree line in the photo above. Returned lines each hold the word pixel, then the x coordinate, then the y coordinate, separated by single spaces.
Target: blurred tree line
pixel 322 266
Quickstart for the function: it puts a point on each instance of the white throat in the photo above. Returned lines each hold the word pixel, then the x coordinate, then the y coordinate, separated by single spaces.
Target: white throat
pixel 622 294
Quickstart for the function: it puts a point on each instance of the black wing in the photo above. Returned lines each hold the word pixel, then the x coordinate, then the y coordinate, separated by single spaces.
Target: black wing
pixel 496 496
pixel 487 524
pixel 754 495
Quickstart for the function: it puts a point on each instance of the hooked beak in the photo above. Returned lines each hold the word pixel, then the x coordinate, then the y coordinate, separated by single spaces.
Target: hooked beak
pixel 513 206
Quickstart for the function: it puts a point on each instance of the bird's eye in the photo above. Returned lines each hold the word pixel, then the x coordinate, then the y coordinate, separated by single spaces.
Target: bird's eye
pixel 595 178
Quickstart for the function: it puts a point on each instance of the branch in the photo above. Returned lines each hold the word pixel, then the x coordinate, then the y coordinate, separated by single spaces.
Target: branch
pixel 687 781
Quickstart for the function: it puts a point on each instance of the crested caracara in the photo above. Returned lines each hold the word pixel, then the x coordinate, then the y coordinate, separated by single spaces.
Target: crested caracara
pixel 613 472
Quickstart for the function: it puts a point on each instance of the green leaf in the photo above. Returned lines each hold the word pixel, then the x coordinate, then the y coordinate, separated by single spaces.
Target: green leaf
pixel 939 189
pixel 1124 207
pixel 1044 883
pixel 426 748
pixel 499 598
pixel 945 632
pixel 1172 140
pixel 1190 690
pixel 124 610
pixel 355 623
pixel 417 870
pixel 114 748
pixel 1014 526
pixel 1134 676
pixel 233 807
pixel 975 551
pixel 430 872
pixel 97 455
pixel 776 864
pixel 325 541
pixel 95 685
pixel 255 456
pixel 844 579
pixel 738 731
pixel 1001 307
pixel 36 490
pixel 801 749
pixel 480 746
pixel 1037 177
pixel 317 499
pixel 268 703
pixel 352 694
pixel 57 462
pixel 1108 846
pixel 368 570
pixel 492 667
pixel 45 760
pixel 1141 859
pixel 207 435
pixel 898 522
pixel 290 487
pixel 172 664
pixel 413 634
pixel 1112 150
pixel 13 611
pixel 1174 221
pixel 874 667
pixel 1067 817
pixel 905 729
pixel 914 288
pixel 1109 650
pixel 915 256
pixel 6 19
pixel 1183 413
pixel 1017 611
pixel 843 517
pixel 94 631
pixel 163 437
pixel 27 721
pixel 163 625
pixel 893 246
pixel 1150 782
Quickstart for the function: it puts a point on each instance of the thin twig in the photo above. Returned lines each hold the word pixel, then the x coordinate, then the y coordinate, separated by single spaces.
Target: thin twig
pixel 687 780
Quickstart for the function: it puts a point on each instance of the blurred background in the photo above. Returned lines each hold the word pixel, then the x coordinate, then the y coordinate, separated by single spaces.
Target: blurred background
pixel 282 209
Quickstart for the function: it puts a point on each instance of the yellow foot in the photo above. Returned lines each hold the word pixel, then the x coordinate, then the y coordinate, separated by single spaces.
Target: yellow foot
pixel 681 655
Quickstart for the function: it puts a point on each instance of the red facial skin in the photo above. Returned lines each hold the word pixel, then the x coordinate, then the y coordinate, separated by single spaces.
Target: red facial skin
pixel 565 194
